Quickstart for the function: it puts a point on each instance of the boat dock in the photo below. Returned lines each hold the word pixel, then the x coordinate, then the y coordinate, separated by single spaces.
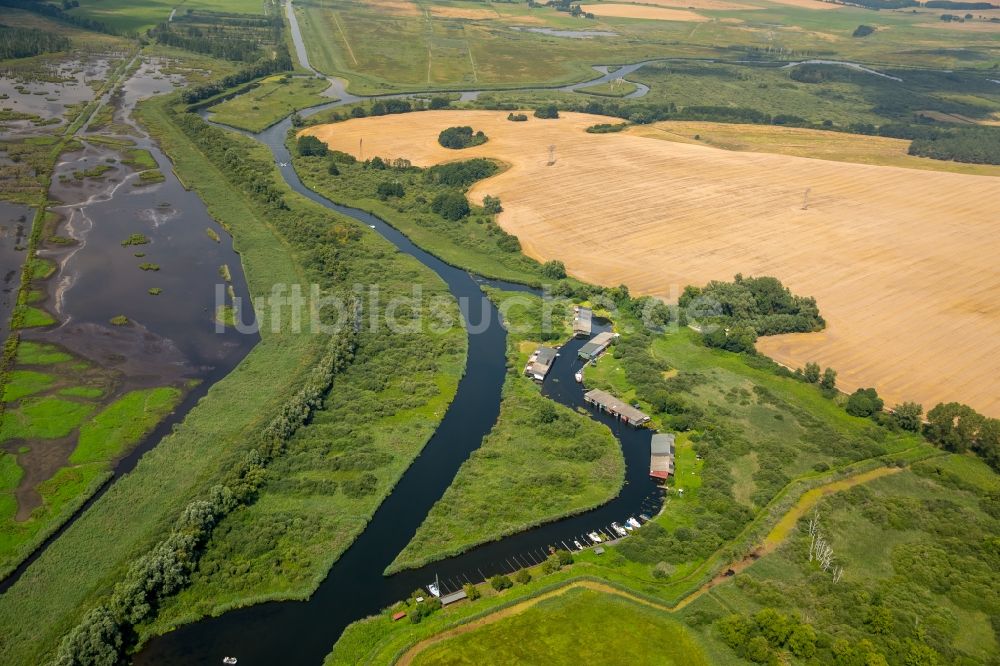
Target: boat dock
pixel 661 456
pixel 617 408
pixel 540 363
pixel 596 347
pixel 582 322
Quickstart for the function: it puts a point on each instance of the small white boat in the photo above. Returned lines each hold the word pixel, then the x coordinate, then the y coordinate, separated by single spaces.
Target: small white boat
pixel 579 377
pixel 372 226
pixel 594 537
pixel 644 517
pixel 229 660
pixel 579 546
pixel 434 589
pixel 618 528
pixel 633 522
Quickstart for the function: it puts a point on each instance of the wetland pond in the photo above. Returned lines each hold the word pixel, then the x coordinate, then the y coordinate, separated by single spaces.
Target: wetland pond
pixel 129 241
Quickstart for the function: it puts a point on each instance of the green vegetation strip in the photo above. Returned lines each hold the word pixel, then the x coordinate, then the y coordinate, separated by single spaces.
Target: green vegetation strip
pixel 542 461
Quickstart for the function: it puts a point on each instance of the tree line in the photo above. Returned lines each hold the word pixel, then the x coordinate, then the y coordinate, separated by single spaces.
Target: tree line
pixel 27 42
pixel 281 62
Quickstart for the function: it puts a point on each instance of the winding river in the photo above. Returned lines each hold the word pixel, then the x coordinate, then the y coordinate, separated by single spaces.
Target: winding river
pixel 294 632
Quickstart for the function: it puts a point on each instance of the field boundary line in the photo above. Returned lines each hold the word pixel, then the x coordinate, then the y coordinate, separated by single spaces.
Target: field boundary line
pixel 344 35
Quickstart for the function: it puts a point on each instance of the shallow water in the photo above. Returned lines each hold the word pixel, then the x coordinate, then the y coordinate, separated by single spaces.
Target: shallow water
pixel 571 34
pixel 15 227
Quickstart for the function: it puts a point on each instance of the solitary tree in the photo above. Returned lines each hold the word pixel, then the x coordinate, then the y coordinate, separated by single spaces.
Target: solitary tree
pixel 829 379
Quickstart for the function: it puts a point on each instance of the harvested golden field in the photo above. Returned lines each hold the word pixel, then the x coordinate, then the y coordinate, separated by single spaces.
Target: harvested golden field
pixel 395 7
pixel 902 261
pixel 716 5
pixel 472 13
pixel 643 12
pixel 801 142
pixel 807 4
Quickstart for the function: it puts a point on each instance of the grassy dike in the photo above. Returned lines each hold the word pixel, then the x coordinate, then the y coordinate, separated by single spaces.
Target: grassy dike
pixel 86 561
pixel 541 462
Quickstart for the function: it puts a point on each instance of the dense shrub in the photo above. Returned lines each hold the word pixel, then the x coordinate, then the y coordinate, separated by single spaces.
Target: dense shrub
pixel 461 174
pixel 500 582
pixel 491 205
pixel 762 304
pixel 547 111
pixel 864 402
pixel 310 146
pixel 451 205
pixel 517 117
pixel 461 137
pixel 554 269
pixel 862 31
pixel 387 189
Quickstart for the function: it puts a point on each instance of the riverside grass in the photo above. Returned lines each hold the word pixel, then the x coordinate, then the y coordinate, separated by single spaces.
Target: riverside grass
pixel 527 471
pixel 272 100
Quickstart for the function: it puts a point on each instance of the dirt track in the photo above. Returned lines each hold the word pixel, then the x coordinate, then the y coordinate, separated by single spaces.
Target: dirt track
pixel 903 262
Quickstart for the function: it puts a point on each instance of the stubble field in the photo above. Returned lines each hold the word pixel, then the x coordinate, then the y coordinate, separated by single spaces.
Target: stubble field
pixel 902 261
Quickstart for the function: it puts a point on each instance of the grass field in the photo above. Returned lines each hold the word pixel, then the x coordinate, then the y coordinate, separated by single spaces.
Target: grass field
pixel 540 462
pixel 471 44
pixel 271 101
pixel 886 290
pixel 578 625
pixel 897 555
pixel 127 17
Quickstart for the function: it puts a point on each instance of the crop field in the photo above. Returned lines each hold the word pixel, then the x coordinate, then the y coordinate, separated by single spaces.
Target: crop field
pixel 874 244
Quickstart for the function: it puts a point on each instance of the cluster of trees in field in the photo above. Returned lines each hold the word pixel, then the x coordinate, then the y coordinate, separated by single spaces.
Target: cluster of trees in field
pixel 281 62
pixel 27 42
pixel 105 633
pixel 952 4
pixel 959 428
pixel 238 37
pixel 761 636
pixel 734 313
pixel 863 31
pixel 461 137
pixel 58 13
pixel 880 4
pixel 976 145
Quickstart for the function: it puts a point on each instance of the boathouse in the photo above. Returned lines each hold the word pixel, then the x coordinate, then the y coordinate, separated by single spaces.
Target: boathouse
pixel 617 408
pixel 581 322
pixel 661 456
pixel 457 595
pixel 596 347
pixel 540 363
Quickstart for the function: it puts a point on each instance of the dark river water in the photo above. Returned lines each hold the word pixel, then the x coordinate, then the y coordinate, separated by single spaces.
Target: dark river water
pixel 304 632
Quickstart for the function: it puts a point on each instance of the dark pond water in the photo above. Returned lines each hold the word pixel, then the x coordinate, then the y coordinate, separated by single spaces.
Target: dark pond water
pixel 15 227
pixel 172 337
pixel 304 632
